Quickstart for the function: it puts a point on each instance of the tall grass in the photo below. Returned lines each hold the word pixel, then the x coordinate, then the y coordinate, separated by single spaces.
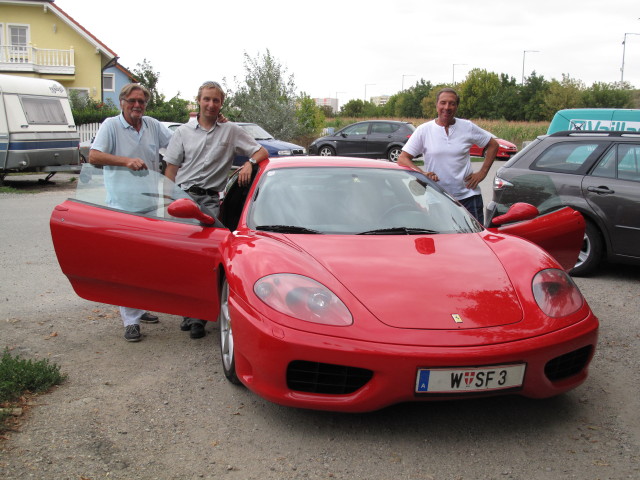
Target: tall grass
pixel 515 132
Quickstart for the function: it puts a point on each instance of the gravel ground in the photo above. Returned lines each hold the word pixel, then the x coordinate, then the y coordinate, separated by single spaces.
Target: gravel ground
pixel 161 408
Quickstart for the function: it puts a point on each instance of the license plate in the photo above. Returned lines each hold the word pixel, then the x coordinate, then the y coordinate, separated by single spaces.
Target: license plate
pixel 470 380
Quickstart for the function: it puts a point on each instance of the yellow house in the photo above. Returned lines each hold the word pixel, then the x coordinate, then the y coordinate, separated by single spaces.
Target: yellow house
pixel 38 39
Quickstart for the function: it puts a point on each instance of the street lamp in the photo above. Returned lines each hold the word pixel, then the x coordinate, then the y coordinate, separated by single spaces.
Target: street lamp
pixel 453 80
pixel 403 81
pixel 365 90
pixel 524 54
pixel 624 46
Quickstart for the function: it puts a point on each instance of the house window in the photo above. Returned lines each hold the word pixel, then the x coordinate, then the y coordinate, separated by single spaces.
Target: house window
pixel 18 40
pixel 78 97
pixel 108 82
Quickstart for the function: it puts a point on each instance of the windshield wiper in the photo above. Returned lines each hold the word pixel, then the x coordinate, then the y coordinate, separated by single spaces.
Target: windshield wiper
pixel 286 229
pixel 398 231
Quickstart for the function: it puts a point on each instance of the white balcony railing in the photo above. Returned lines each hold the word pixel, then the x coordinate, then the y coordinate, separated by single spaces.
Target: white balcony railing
pixel 38 60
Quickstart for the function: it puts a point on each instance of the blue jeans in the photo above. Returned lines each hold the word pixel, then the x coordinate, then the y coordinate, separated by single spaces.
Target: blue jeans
pixel 475 206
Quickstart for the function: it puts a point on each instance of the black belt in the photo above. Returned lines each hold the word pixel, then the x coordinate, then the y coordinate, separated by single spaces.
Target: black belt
pixel 202 191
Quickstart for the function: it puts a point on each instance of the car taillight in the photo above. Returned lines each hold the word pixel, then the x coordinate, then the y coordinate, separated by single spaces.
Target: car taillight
pixel 555 293
pixel 499 183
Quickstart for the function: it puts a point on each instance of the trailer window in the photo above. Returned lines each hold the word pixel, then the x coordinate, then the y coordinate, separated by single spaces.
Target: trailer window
pixel 42 110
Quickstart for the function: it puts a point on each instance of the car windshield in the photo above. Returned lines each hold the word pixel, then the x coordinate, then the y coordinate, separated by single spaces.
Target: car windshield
pixel 352 200
pixel 257 132
pixel 142 192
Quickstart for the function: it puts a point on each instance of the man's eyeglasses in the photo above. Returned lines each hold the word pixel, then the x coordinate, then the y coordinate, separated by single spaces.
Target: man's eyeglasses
pixel 133 101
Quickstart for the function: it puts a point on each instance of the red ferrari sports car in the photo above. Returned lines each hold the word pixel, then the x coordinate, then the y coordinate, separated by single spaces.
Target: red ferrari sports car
pixel 341 283
pixel 506 150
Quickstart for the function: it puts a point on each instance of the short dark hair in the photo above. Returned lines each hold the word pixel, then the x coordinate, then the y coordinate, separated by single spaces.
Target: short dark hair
pixel 448 90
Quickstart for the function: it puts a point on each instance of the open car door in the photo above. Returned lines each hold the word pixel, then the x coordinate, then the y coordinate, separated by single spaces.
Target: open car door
pixel 125 248
pixel 560 232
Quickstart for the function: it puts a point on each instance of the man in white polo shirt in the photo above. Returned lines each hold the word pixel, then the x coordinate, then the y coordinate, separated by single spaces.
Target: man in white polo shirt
pixel 445 144
pixel 200 156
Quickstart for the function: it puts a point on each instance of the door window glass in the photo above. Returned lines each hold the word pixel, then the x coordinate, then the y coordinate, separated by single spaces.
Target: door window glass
pixel 359 129
pixel 629 164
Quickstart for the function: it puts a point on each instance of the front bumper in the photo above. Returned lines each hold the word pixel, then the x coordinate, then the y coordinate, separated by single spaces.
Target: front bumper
pixel 265 351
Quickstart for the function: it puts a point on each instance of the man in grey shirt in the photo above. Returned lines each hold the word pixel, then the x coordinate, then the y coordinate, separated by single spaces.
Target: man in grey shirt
pixel 199 157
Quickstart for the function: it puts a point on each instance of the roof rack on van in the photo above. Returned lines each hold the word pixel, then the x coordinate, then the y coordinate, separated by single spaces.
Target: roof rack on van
pixel 594 133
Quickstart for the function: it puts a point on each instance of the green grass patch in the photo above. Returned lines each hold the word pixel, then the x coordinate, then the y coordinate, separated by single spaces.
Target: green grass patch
pixel 19 376
pixel 9 190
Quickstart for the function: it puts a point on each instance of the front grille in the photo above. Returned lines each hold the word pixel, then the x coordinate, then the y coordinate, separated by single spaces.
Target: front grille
pixel 568 364
pixel 314 377
pixel 297 151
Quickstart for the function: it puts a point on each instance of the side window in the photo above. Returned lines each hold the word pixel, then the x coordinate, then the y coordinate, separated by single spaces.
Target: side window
pixel 607 166
pixel 43 110
pixel 145 192
pixel 359 129
pixel 568 157
pixel 629 162
pixel 384 127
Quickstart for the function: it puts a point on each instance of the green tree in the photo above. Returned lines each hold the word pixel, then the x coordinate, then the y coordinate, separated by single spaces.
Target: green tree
pixel 149 79
pixel 508 99
pixel 532 94
pixel 607 95
pixel 309 116
pixel 567 93
pixel 353 108
pixel 175 110
pixel 266 97
pixel 478 92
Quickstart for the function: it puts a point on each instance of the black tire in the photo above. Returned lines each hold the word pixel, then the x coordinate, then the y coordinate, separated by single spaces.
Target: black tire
pixel 227 346
pixel 326 151
pixel 393 154
pixel 591 252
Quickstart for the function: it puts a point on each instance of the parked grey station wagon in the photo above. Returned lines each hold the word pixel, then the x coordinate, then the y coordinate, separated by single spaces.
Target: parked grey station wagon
pixel 596 173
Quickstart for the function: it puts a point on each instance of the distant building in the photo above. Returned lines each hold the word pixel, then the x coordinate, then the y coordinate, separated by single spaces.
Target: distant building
pixel 380 101
pixel 330 102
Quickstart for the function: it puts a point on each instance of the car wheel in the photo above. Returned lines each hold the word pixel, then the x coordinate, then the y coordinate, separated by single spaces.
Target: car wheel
pixel 590 253
pixel 227 346
pixel 326 151
pixel 394 154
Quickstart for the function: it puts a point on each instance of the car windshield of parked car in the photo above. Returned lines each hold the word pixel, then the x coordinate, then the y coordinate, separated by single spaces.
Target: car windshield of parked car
pixel 257 132
pixel 142 192
pixel 352 200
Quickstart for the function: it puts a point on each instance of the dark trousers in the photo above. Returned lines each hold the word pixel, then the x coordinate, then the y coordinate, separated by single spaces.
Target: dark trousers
pixel 475 206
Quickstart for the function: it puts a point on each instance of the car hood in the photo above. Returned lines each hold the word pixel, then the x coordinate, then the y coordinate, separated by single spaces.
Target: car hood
pixel 276 145
pixel 446 281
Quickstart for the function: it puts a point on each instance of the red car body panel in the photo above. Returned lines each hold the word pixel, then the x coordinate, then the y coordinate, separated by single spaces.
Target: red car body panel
pixel 401 290
pixel 506 150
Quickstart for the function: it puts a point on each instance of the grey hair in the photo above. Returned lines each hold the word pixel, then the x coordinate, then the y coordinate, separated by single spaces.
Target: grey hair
pixel 448 90
pixel 130 87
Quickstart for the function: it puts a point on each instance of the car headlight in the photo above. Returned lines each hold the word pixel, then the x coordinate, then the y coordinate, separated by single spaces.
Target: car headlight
pixel 302 298
pixel 501 145
pixel 283 153
pixel 555 293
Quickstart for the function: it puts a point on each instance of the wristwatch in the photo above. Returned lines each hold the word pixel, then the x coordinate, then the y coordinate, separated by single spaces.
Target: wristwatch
pixel 252 160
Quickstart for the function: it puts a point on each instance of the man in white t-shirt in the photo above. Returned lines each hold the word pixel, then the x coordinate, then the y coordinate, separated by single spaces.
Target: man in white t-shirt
pixel 445 144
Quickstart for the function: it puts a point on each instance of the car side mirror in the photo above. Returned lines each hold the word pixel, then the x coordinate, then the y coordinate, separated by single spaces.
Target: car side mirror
pixel 518 212
pixel 187 208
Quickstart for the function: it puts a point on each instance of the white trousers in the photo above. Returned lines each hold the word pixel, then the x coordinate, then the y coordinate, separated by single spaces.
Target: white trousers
pixel 131 316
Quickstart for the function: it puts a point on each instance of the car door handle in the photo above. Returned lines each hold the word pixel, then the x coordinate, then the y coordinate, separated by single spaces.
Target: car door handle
pixel 601 190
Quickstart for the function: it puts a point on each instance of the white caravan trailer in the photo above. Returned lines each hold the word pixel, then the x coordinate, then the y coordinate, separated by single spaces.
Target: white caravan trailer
pixel 37 130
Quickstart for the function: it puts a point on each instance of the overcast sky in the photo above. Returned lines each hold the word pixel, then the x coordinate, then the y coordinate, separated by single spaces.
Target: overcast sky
pixel 350 47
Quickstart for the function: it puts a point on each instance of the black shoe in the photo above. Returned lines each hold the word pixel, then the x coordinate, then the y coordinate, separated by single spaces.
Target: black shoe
pixel 185 326
pixel 132 333
pixel 149 318
pixel 197 330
